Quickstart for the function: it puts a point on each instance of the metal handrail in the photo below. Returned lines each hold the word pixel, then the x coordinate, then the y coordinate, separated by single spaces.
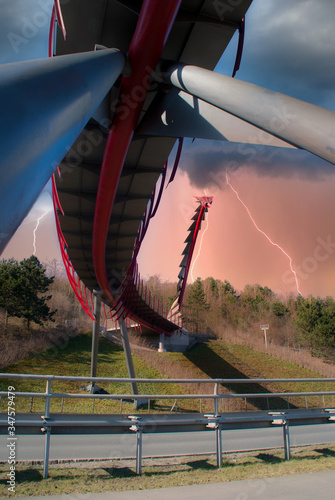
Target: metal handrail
pixel 136 425
pixel 215 395
pixel 169 396
pixel 163 380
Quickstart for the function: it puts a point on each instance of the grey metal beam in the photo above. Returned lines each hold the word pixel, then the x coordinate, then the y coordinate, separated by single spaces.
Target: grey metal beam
pixel 127 352
pixel 297 122
pixel 95 337
pixel 179 114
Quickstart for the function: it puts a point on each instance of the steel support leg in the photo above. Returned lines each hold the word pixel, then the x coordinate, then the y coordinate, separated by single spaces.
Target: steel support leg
pixel 127 352
pixel 139 451
pixel 286 436
pixel 218 446
pixel 95 337
pixel 46 452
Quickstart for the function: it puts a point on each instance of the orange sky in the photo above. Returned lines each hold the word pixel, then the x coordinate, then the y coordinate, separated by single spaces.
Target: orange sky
pixel 297 214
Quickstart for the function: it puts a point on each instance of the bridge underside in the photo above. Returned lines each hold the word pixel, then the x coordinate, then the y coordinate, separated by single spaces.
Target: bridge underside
pixel 112 24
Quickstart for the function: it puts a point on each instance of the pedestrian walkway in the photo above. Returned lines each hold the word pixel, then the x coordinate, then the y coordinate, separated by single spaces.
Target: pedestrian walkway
pixel 318 485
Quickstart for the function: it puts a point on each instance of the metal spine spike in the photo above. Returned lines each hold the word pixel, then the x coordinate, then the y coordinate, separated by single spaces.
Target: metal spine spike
pixel 199 215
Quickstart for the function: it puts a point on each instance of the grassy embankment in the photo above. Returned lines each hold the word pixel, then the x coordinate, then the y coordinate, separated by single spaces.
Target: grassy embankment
pixel 217 359
pixel 214 360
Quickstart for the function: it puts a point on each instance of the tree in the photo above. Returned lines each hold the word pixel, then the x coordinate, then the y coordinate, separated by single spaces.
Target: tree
pixel 197 301
pixel 279 309
pixel 316 321
pixel 9 287
pixel 309 314
pixel 228 305
pixel 21 290
pixel 228 289
pixel 256 301
pixel 325 329
pixel 211 287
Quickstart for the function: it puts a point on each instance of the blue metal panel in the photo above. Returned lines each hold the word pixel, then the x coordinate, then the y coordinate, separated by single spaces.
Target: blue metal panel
pixel 45 104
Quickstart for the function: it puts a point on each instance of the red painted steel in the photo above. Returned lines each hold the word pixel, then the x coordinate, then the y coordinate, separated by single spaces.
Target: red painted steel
pixel 176 162
pixel 195 235
pixel 153 27
pixel 239 47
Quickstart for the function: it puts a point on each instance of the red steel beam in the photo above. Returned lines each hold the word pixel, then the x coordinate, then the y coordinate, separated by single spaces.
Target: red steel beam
pixel 155 22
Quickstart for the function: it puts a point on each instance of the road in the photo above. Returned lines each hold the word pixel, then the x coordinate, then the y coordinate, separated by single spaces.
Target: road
pixel 175 443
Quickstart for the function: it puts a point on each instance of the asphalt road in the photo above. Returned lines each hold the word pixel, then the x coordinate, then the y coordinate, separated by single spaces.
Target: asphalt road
pixel 175 443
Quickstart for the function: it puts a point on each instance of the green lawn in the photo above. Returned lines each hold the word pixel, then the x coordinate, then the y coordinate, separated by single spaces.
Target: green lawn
pixel 217 359
pixel 74 359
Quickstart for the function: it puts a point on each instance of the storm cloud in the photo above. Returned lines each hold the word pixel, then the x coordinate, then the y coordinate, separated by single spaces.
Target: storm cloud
pixel 206 162
pixel 289 48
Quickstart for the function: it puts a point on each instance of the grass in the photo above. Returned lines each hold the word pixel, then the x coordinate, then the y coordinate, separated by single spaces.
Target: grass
pixel 220 359
pixel 117 475
pixel 73 359
pixel 255 364
pixel 217 359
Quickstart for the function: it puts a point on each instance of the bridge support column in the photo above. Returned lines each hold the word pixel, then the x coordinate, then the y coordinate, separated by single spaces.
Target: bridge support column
pixel 129 360
pixel 161 347
pixel 95 337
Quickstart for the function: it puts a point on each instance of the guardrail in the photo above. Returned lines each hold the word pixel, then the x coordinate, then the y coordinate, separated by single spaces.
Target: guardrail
pixel 158 423
pixel 215 395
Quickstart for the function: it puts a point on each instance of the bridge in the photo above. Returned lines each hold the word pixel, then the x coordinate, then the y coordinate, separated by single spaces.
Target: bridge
pixel 113 116
pixel 100 116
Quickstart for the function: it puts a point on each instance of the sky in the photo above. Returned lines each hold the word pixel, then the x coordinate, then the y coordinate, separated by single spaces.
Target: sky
pixel 290 48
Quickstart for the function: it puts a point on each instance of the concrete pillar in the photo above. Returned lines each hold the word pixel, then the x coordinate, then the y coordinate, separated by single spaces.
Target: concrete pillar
pixel 161 347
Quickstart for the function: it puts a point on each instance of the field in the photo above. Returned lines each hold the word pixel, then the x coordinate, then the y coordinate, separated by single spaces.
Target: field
pixel 215 359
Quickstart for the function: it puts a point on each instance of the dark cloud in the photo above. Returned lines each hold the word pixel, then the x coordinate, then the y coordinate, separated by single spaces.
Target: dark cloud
pixel 206 162
pixel 290 48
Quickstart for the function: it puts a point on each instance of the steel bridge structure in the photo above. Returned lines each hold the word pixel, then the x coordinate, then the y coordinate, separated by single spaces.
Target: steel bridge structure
pixel 124 81
pixel 128 80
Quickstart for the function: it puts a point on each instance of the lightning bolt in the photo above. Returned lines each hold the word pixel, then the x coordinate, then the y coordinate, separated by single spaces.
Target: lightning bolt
pixel 195 260
pixel 266 236
pixel 38 220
